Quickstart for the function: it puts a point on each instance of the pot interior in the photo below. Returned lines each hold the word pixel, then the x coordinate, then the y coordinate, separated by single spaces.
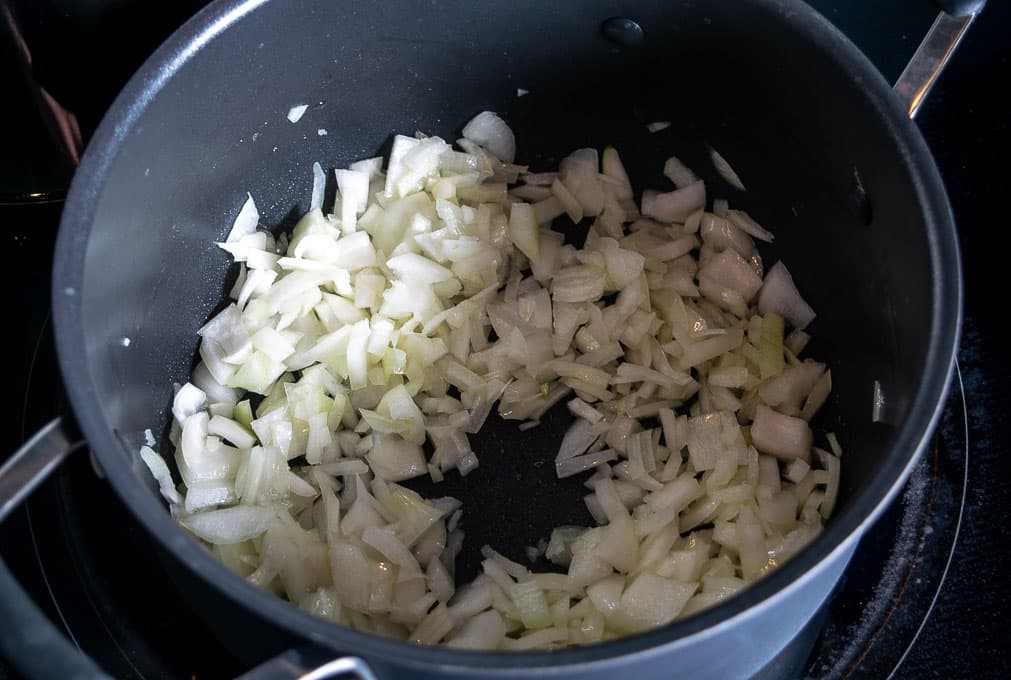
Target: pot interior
pixel 793 118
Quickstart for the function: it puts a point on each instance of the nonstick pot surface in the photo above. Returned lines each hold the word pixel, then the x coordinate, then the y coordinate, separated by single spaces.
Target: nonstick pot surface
pixel 796 109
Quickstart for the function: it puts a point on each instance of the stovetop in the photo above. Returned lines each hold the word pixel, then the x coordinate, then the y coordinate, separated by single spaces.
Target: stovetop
pixel 930 598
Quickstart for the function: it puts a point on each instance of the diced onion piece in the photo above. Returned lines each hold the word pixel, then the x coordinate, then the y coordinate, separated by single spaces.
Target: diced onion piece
pixel 782 436
pixel 678 173
pixel 576 464
pixel 817 396
pixel 725 170
pixel 779 294
pixel 230 525
pixel 228 332
pixel 674 206
pixel 650 601
pixel 491 132
pixel 395 459
pixel 548 209
pixel 226 428
pixel 831 464
pixel 611 165
pixel 745 223
pixel 245 222
pixel 532 604
pixel 354 194
pixel 523 230
pixel 160 472
pixel 188 400
pixel 318 186
pixel 572 206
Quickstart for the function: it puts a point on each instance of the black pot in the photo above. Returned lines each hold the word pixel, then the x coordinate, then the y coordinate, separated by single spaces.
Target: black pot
pixel 832 161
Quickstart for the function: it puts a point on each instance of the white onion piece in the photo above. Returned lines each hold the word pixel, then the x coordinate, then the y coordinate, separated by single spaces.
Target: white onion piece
pixel 228 331
pixel 188 400
pixel 394 459
pixel 215 391
pixel 782 436
pixel 725 170
pixel 572 206
pixel 523 230
pixel 579 171
pixel 318 186
pixel 354 190
pixel 530 192
pixel 651 601
pixel 204 495
pixel 796 341
pixel 611 166
pixel 779 294
pixel 230 525
pixel 245 222
pixel 295 113
pixel 831 464
pixel 817 396
pixel 539 178
pixel 729 281
pixel 721 233
pixel 386 543
pixel 580 408
pixel 491 132
pixel 159 470
pixel 678 173
pixel 789 389
pixel 674 206
pixel 745 222
pixel 226 428
pixel 576 464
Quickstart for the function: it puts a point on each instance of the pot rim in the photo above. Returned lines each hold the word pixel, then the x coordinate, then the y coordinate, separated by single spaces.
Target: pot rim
pixel 844 528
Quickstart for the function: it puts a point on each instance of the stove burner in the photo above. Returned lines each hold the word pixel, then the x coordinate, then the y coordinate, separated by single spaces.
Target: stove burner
pixel 874 618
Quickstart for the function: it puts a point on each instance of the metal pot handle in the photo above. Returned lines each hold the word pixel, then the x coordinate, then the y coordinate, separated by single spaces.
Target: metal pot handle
pixel 934 52
pixel 34 636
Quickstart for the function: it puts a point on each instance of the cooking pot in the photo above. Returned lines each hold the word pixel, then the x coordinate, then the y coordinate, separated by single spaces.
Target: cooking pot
pixel 833 164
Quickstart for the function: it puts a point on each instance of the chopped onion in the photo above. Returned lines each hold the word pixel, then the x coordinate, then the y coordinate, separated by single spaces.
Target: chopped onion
pixel 245 222
pixel 491 132
pixel 159 470
pixel 779 294
pixel 318 186
pixel 674 206
pixel 435 290
pixel 230 525
pixel 724 170
pixel 782 436
pixel 745 223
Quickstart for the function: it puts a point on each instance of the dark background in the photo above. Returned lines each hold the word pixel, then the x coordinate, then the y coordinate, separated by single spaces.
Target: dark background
pixel 83 51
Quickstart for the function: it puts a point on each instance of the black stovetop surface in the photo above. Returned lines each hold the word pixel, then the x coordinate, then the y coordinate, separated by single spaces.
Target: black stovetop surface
pixel 935 606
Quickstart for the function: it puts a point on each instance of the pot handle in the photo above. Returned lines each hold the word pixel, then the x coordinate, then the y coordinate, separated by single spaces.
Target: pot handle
pixel 934 52
pixel 35 637
pixel 310 664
